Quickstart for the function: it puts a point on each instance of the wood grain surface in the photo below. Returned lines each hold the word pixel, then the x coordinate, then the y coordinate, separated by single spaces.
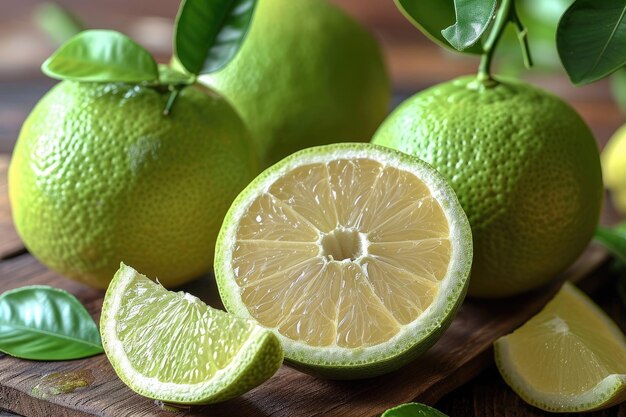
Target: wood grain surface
pixel 462 353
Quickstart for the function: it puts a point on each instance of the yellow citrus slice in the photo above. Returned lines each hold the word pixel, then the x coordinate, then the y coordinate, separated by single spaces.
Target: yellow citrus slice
pixel 355 255
pixel 570 357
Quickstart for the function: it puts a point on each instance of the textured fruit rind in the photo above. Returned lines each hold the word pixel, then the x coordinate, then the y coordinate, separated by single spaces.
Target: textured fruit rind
pixel 99 175
pixel 417 337
pixel 300 82
pixel 257 361
pixel 526 170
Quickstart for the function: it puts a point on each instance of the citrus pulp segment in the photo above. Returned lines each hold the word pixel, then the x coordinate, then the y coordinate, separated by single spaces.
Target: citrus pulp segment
pixel 570 357
pixel 172 347
pixel 355 255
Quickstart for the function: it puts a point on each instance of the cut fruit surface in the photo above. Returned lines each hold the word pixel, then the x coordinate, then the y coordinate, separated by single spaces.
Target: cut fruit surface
pixel 570 357
pixel 355 255
pixel 172 347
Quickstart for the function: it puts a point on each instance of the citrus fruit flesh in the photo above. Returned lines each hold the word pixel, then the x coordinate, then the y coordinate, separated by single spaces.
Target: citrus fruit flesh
pixel 413 410
pixel 307 74
pixel 99 176
pixel 356 256
pixel 524 166
pixel 174 348
pixel 614 168
pixel 570 357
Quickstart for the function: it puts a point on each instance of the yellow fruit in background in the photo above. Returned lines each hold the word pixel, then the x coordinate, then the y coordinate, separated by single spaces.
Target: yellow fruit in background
pixel 614 168
pixel 306 75
pixel 100 176
pixel 526 170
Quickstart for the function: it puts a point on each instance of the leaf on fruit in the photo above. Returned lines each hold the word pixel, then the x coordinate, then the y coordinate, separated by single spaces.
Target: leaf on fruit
pixel 472 19
pixel 208 34
pixel 591 39
pixel 101 56
pixel 44 323
pixel 432 17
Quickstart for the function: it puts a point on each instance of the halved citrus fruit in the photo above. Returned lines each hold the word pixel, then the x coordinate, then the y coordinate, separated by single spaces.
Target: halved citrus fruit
pixel 355 255
pixel 174 348
pixel 570 357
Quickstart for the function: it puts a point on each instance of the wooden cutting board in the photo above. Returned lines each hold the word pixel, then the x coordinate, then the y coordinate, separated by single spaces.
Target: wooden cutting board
pixel 463 351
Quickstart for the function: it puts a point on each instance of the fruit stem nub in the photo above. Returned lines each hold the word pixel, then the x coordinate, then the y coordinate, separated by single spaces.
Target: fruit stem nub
pixel 175 91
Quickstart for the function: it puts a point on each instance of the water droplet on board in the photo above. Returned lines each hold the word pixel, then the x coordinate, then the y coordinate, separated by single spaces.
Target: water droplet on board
pixel 62 383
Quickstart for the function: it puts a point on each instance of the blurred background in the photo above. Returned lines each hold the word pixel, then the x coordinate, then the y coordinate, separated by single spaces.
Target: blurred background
pixel 413 60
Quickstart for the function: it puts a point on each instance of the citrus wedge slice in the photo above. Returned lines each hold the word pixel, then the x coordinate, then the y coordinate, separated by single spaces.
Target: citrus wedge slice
pixel 570 357
pixel 413 410
pixel 174 348
pixel 355 255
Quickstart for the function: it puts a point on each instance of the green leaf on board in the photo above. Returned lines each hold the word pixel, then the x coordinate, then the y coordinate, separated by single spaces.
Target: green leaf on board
pixel 57 22
pixel 472 19
pixel 44 323
pixel 101 56
pixel 208 34
pixel 614 239
pixel 591 39
pixel 413 410
pixel 433 16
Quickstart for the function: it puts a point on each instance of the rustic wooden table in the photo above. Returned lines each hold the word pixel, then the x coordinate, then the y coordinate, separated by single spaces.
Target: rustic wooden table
pixel 414 63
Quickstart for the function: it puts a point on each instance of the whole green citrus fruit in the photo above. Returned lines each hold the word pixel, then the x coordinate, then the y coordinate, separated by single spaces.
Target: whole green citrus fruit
pixel 526 170
pixel 99 175
pixel 307 74
pixel 614 168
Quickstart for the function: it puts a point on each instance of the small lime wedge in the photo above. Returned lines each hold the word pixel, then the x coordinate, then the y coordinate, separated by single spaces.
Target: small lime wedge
pixel 413 410
pixel 570 357
pixel 174 348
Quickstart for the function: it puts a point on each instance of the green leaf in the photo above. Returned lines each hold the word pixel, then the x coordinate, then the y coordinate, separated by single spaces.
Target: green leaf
pixel 101 56
pixel 45 323
pixel 413 410
pixel 591 39
pixel 614 239
pixel 431 17
pixel 209 34
pixel 472 19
